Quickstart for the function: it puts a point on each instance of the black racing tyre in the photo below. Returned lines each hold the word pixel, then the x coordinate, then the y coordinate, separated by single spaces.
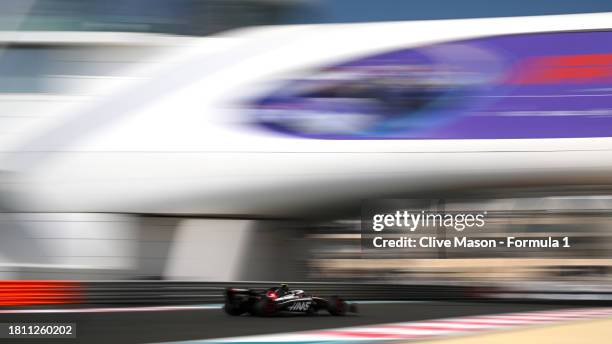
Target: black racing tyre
pixel 233 309
pixel 337 306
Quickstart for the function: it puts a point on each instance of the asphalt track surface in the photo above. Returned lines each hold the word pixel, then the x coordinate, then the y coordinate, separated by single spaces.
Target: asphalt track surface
pixel 150 327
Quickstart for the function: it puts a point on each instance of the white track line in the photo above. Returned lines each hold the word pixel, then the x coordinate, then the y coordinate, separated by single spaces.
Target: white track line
pixel 146 308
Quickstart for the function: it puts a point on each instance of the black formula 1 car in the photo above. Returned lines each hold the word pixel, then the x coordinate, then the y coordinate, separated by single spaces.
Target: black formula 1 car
pixel 281 300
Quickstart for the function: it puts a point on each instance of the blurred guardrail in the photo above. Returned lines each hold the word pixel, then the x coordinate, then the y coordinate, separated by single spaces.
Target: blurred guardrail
pixel 117 293
pixel 28 293
pixel 18 293
pixel 206 292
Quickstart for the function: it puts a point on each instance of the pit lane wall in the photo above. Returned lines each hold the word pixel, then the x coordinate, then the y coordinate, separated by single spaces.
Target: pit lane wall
pixel 86 293
pixel 18 293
